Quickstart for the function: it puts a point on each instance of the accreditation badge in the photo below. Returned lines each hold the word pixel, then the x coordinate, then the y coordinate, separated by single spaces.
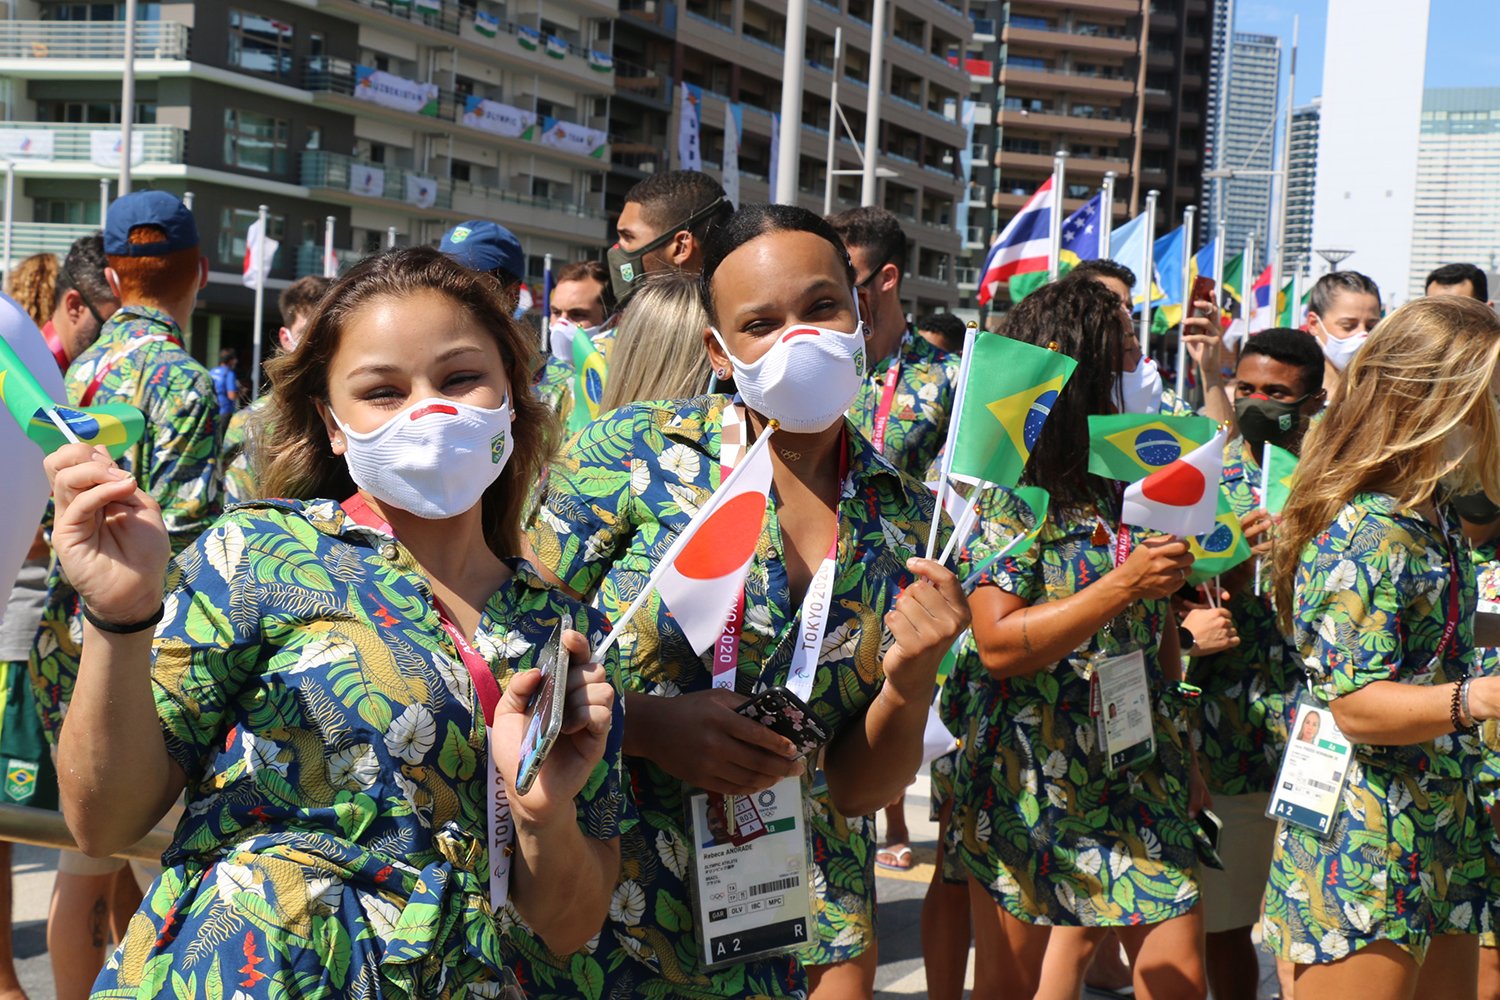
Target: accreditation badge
pixel 1120 698
pixel 1314 768
pixel 752 874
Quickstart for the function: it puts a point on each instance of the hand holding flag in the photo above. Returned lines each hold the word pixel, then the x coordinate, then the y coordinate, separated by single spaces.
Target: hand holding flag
pixel 1037 501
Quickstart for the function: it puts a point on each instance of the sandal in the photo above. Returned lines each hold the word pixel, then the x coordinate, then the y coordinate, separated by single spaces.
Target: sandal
pixel 899 856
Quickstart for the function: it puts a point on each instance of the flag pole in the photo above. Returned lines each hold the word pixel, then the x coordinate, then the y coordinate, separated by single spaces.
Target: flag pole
pixel 789 149
pixel 547 298
pixel 260 302
pixel 330 258
pixel 1054 219
pixel 1148 272
pixel 1188 214
pixel 954 420
pixel 1277 260
pixel 1107 209
pixel 103 200
pixel 10 215
pixel 1248 276
pixel 872 103
pixel 127 98
pixel 1218 268
pixel 1265 491
pixel 390 237
pixel 833 123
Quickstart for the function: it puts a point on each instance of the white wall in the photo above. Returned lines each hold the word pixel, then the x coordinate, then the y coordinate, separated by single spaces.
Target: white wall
pixel 1373 69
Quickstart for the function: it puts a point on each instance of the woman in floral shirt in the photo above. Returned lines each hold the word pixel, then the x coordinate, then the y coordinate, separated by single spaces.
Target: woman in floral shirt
pixel 1058 850
pixel 313 683
pixel 1374 583
pixel 778 287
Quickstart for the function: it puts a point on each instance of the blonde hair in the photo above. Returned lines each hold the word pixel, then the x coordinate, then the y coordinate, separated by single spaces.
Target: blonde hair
pixel 1424 373
pixel 659 351
pixel 33 284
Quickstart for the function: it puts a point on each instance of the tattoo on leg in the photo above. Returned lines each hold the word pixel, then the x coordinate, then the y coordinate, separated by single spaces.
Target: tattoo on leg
pixel 1025 639
pixel 98 920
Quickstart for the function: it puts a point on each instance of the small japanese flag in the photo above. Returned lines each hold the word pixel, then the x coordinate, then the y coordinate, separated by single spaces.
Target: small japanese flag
pixel 257 270
pixel 1181 498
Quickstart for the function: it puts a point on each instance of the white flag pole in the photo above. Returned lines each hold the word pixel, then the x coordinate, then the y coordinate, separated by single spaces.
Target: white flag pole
pixel 260 300
pixel 876 88
pixel 1188 215
pixel 1107 209
pixel 127 97
pixel 954 420
pixel 1265 489
pixel 1248 277
pixel 10 215
pixel 1148 270
pixel 390 237
pixel 1054 220
pixel 789 150
pixel 330 257
pixel 103 200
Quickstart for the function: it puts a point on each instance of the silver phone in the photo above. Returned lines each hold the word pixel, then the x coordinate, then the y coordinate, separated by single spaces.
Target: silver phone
pixel 546 712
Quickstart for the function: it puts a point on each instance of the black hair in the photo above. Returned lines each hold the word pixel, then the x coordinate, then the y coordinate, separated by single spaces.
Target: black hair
pixel 874 230
pixel 1291 347
pixel 83 270
pixel 1105 268
pixel 227 355
pixel 1333 284
pixel 1456 274
pixel 949 326
pixel 1082 319
pixel 753 221
pixel 670 198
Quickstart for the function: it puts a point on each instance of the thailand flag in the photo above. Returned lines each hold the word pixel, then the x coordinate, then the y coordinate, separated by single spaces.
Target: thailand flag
pixel 702 575
pixel 1182 498
pixel 1023 246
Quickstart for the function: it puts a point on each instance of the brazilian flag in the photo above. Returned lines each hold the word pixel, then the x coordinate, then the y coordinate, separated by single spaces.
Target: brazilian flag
pixel 1221 549
pixel 1010 393
pixel 116 426
pixel 1131 446
pixel 1037 501
pixel 588 382
pixel 1280 466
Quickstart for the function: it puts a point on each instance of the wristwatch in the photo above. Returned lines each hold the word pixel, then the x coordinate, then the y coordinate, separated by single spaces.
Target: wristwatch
pixel 1185 640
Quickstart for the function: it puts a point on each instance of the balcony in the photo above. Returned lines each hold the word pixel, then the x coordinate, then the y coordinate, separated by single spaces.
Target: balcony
pixel 1091 43
pixel 48 44
pixel 660 16
pixel 1055 80
pixel 984 29
pixel 1113 128
pixel 310 259
pixel 641 84
pixel 27 238
pixel 337 172
pixel 1091 165
pixel 1101 6
pixel 52 149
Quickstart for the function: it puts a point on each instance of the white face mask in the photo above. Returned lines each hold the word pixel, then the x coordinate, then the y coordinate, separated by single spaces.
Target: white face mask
pixel 1340 352
pixel 562 331
pixel 806 380
pixel 1139 390
pixel 434 459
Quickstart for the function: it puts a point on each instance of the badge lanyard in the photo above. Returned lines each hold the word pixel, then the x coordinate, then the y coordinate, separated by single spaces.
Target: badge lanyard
pixel 887 399
pixel 1119 688
pixel 488 690
pixel 128 349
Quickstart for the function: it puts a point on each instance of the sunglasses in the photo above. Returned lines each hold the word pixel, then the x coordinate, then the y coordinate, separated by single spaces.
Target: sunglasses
pixel 88 303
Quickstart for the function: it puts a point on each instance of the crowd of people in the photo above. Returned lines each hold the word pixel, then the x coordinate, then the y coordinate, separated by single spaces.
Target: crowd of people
pixel 304 638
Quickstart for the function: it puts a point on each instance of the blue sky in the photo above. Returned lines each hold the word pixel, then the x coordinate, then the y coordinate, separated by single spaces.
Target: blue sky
pixel 1461 40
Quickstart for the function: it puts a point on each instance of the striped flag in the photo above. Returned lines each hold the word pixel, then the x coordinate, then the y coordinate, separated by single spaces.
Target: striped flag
pixel 1022 246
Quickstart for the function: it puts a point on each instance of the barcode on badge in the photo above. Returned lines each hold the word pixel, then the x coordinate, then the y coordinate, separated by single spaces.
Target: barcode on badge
pixel 1322 786
pixel 776 886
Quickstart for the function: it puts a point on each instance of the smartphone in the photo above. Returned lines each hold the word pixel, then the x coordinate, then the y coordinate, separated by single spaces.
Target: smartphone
pixel 787 715
pixel 1210 827
pixel 1203 291
pixel 546 710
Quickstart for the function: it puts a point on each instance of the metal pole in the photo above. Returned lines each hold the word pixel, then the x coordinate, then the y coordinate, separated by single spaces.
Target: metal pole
pixel 330 258
pixel 1107 209
pixel 1188 215
pixel 872 103
pixel 390 237
pixel 833 122
pixel 1054 220
pixel 1277 260
pixel 260 300
pixel 10 213
pixel 1218 265
pixel 103 200
pixel 127 97
pixel 1148 272
pixel 789 155
pixel 1247 294
pixel 187 200
pixel 547 298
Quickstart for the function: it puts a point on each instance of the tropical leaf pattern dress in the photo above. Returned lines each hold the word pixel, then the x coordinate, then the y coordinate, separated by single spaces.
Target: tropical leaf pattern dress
pixel 1038 822
pixel 1486 562
pixel 176 462
pixel 1403 861
pixel 333 843
pixel 617 499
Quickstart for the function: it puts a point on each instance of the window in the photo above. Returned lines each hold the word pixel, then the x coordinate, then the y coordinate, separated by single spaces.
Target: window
pixel 92 112
pixel 461 171
pixel 259 44
pixel 314 137
pixel 1026 62
pixel 98 12
pixel 255 142
pixel 71 211
pixel 234 223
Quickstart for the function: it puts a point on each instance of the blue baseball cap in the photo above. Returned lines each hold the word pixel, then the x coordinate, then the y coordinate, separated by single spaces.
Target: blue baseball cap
pixel 485 246
pixel 149 208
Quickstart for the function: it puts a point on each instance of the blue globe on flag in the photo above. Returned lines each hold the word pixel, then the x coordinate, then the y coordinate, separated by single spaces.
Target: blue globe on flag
pixel 1036 417
pixel 1157 448
pixel 1218 541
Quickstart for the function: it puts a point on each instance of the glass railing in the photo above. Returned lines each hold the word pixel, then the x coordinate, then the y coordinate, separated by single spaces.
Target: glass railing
pixel 984 26
pixel 27 238
pixel 335 170
pixel 91 40
pixel 764 43
pixel 51 142
pixel 310 259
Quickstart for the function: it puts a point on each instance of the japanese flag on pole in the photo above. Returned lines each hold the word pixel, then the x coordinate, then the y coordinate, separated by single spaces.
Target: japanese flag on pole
pixel 703 573
pixel 1181 498
pixel 256 268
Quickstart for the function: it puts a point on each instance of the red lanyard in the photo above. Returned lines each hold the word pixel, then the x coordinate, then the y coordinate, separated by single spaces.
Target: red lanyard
pixel 887 398
pixel 485 685
pixel 1450 625
pixel 54 344
pixel 130 347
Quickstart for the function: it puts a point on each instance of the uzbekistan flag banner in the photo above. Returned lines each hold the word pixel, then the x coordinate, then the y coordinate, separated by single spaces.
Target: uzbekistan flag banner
pixel 1023 246
pixel 1128 446
pixel 1181 498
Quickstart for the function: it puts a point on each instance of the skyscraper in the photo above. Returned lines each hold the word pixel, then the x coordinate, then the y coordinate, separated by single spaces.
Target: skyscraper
pixel 1302 186
pixel 1458 182
pixel 1246 97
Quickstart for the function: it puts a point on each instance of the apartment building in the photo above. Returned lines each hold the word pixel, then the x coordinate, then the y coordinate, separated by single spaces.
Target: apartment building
pixel 734 49
pixel 1118 85
pixel 397 118
pixel 1302 187
pixel 1458 183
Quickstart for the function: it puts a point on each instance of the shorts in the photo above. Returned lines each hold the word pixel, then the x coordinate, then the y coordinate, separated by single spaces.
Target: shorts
pixel 27 775
pixel 1231 898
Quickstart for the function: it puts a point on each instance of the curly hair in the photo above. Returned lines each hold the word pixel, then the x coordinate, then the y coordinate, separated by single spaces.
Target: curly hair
pixel 33 284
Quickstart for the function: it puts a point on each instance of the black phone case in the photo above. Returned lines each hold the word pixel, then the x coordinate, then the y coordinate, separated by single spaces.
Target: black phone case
pixel 788 716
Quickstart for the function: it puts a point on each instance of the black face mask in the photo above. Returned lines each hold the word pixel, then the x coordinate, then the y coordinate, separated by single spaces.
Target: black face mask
pixel 1263 420
pixel 627 268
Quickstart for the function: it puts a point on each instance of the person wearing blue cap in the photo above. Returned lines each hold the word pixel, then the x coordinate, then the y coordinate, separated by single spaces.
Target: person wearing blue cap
pixel 489 247
pixel 155 269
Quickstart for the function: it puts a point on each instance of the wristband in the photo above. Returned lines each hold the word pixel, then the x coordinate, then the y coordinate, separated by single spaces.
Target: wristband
pixel 1185 640
pixel 133 627
pixel 1463 703
pixel 1455 708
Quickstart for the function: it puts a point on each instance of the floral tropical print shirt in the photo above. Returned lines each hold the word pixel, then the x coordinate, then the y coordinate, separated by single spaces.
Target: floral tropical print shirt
pixel 1037 819
pixel 236 451
pixel 334 837
pixel 137 360
pixel 629 484
pixel 920 409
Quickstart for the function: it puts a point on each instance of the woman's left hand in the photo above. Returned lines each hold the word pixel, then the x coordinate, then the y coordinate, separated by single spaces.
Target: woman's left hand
pixel 580 744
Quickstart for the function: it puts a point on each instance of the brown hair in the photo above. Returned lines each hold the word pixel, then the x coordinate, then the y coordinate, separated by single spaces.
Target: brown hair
pixel 33 284
pixel 298 461
pixel 583 270
pixel 301 297
pixel 162 278
pixel 1424 372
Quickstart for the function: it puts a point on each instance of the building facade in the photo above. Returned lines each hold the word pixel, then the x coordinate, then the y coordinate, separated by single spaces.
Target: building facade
pixel 1302 186
pixel 1247 100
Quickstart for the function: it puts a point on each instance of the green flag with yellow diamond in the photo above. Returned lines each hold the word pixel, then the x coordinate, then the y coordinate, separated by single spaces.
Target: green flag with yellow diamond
pixel 1131 446
pixel 1221 549
pixel 1037 501
pixel 1010 391
pixel 1276 477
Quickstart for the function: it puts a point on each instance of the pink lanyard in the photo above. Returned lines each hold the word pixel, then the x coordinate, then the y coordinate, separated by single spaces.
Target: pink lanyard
pixel 887 399
pixel 485 685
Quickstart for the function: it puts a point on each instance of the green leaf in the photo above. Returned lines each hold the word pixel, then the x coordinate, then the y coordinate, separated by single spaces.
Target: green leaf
pixel 333 947
pixel 213 983
pixel 1047 686
pixel 154 977
pixel 1030 810
pixel 588 976
pixel 457 759
pixel 1403 833
pixel 672 915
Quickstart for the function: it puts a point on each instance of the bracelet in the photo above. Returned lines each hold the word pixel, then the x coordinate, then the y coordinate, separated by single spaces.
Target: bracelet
pixel 116 629
pixel 1455 708
pixel 1463 703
